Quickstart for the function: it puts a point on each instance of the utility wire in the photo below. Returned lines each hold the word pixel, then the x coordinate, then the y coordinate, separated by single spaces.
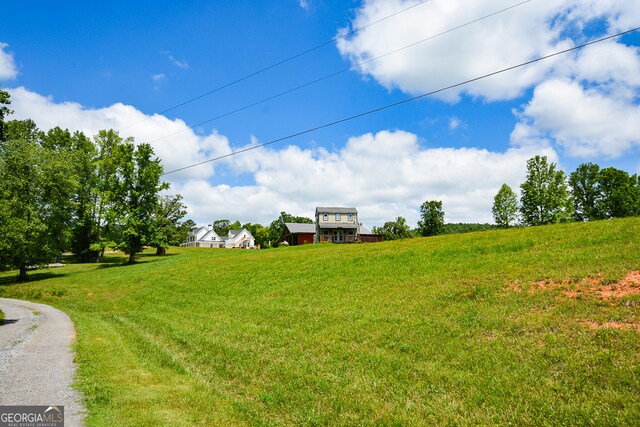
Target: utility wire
pixel 353 67
pixel 407 100
pixel 284 61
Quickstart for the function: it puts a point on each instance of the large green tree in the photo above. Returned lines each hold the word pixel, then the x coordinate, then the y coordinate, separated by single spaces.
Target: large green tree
pixel 167 228
pixel 394 230
pixel 586 192
pixel 114 159
pixel 25 239
pixel 545 197
pixel 432 218
pixel 60 186
pixel 221 226
pixel 138 185
pixel 620 194
pixel 505 207
pixel 85 154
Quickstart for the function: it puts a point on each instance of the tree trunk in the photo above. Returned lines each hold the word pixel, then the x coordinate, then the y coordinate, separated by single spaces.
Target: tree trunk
pixel 161 251
pixel 132 257
pixel 23 273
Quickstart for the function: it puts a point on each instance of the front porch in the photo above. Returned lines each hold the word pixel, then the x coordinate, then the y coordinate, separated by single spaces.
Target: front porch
pixel 339 235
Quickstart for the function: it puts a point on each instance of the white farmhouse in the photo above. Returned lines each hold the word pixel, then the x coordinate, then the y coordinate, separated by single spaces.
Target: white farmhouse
pixel 240 239
pixel 206 237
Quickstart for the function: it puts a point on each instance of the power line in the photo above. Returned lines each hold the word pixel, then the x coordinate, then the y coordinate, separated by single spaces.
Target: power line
pixel 353 67
pixel 281 62
pixel 405 101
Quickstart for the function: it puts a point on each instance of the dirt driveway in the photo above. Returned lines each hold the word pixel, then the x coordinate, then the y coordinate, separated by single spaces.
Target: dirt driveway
pixel 36 361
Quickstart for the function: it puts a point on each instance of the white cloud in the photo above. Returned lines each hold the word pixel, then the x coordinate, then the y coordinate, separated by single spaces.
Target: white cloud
pixel 158 77
pixel 593 112
pixel 585 102
pixel 8 68
pixel 455 123
pixel 180 63
pixel 515 36
pixel 305 4
pixel 607 62
pixel 584 121
pixel 181 148
pixel 384 175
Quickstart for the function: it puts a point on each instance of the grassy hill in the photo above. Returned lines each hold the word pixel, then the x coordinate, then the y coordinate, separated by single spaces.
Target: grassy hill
pixel 533 326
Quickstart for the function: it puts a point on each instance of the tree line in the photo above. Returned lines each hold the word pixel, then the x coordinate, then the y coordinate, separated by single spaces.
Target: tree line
pixel 548 196
pixel 431 223
pixel 265 236
pixel 61 190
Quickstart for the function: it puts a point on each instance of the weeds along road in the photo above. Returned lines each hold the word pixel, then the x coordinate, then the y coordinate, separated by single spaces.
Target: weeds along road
pixel 36 360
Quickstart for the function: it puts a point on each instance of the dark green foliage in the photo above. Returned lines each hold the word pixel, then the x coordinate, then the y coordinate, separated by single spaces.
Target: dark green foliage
pixel 545 197
pixel 505 207
pixel 25 204
pixel 167 230
pixel 4 110
pixel 60 191
pixel 585 190
pixel 394 230
pixel 604 193
pixel 83 229
pixel 136 192
pixel 221 226
pixel 61 186
pixel 620 194
pixel 432 222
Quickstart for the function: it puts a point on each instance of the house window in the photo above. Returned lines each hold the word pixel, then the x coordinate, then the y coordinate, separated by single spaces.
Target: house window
pixel 213 238
pixel 350 216
pixel 325 216
pixel 337 217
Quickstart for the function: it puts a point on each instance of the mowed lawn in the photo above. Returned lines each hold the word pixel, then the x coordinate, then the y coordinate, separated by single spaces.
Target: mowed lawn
pixel 525 326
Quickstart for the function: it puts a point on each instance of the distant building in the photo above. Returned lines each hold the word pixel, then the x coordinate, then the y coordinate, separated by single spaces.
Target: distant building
pixel 340 225
pixel 297 233
pixel 206 237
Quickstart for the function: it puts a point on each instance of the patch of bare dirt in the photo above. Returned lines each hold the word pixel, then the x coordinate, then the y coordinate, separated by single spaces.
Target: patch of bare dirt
pixel 614 325
pixel 630 285
pixel 588 286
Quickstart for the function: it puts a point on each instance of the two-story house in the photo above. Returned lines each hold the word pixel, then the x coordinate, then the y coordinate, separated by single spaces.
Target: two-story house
pixel 337 225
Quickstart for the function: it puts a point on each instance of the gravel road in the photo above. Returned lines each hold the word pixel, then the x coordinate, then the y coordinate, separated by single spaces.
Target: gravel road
pixel 36 359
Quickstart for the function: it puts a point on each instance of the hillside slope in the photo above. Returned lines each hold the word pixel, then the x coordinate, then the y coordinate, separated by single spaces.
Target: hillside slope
pixel 524 326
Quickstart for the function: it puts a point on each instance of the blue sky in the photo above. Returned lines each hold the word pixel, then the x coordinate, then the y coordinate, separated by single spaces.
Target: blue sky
pixel 116 65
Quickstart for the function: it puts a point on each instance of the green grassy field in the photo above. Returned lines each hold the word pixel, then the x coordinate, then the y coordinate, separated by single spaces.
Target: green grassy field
pixel 499 327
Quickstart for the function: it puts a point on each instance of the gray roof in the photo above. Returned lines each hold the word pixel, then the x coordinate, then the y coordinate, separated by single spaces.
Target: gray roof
pixel 364 230
pixel 337 225
pixel 234 233
pixel 295 227
pixel 336 210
